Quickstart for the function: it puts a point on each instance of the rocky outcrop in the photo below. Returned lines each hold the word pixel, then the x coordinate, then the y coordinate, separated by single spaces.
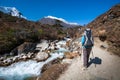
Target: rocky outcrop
pixel 13 59
pixel 24 52
pixel 53 72
pixel 48 65
pixel 42 51
pixel 41 56
pixel 23 48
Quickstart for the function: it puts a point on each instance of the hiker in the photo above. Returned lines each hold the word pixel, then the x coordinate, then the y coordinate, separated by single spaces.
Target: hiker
pixel 87 44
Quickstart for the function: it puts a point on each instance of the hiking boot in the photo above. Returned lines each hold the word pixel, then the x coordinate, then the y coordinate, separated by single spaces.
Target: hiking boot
pixel 84 68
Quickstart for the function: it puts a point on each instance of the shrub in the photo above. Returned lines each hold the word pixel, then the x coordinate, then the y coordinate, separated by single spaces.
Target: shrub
pixel 40 31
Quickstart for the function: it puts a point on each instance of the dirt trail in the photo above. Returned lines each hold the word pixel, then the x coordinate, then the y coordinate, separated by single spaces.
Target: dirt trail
pixel 106 67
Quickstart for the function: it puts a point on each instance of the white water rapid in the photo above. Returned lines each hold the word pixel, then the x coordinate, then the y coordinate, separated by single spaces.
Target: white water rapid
pixel 25 69
pixel 22 70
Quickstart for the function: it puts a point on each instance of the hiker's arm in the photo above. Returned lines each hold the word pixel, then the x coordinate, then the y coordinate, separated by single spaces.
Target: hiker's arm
pixel 82 40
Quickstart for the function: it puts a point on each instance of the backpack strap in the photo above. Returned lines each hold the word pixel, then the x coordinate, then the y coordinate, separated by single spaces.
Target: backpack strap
pixel 86 38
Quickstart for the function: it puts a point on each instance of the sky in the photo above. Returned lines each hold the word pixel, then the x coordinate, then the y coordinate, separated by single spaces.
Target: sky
pixel 78 11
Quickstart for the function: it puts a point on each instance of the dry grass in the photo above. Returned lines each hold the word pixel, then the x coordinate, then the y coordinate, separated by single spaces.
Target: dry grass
pixel 71 55
pixel 110 22
pixel 14 31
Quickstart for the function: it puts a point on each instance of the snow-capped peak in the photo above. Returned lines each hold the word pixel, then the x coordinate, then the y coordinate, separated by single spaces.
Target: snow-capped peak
pixel 12 11
pixel 61 19
pixel 51 20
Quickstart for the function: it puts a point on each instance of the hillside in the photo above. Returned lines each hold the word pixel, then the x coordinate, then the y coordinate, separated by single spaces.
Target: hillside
pixel 15 31
pixel 51 20
pixel 107 27
pixel 12 11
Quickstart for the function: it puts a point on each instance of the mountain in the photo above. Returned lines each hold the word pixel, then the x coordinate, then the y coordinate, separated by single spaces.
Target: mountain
pixel 107 27
pixel 14 31
pixel 51 20
pixel 12 11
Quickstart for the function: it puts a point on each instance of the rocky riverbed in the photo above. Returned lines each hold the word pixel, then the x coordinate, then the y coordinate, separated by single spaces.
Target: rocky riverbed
pixel 29 63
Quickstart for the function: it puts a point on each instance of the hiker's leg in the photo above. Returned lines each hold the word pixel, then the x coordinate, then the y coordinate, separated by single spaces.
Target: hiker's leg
pixel 88 54
pixel 85 57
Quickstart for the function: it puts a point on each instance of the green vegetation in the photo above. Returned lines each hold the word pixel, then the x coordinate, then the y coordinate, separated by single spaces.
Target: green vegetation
pixel 40 31
pixel 14 31
pixel 61 32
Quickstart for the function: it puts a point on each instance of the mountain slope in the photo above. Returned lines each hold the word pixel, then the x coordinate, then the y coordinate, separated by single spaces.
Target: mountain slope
pixel 54 20
pixel 15 31
pixel 11 11
pixel 107 27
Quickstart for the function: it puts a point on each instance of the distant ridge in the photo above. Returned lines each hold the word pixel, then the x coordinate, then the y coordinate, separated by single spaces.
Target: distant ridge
pixel 51 20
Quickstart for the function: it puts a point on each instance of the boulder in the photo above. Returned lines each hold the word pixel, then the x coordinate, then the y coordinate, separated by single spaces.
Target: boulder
pixel 6 63
pixel 49 64
pixel 16 58
pixel 1 58
pixel 23 48
pixel 30 55
pixel 24 57
pixel 53 72
pixel 2 64
pixel 68 43
pixel 9 60
pixel 52 46
pixel 47 51
pixel 42 46
pixel 41 56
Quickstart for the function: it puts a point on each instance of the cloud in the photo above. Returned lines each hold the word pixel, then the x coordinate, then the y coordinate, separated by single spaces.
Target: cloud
pixel 61 19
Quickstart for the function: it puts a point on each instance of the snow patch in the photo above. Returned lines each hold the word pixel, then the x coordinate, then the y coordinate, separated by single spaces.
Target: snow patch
pixel 12 11
pixel 61 19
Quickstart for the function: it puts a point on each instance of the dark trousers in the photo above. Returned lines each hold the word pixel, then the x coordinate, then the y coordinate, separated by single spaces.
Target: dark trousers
pixel 86 54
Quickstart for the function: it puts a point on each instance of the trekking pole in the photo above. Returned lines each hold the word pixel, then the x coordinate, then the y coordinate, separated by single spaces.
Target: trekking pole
pixel 81 50
pixel 93 56
pixel 92 53
pixel 82 55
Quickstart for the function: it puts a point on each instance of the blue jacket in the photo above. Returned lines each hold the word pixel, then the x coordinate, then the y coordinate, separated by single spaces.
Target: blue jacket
pixel 83 39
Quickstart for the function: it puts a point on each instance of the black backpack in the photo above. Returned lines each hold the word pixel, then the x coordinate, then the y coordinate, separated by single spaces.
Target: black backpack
pixel 88 38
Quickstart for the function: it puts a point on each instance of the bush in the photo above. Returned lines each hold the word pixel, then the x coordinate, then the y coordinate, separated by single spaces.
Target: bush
pixel 40 31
